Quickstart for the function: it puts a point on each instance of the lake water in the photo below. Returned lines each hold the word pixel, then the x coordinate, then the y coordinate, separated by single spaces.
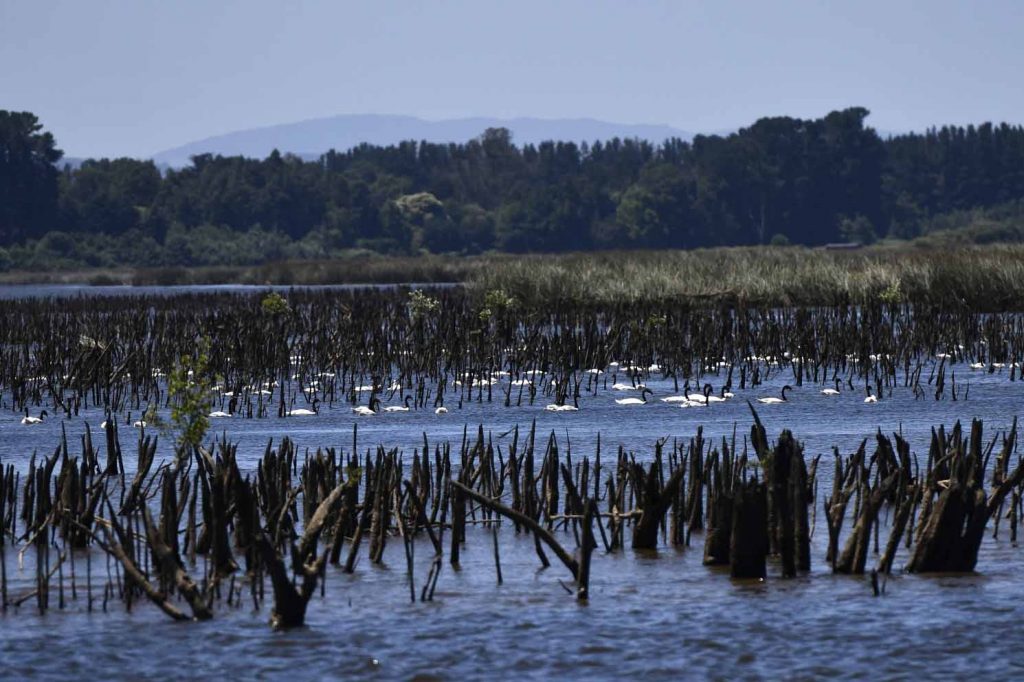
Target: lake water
pixel 659 615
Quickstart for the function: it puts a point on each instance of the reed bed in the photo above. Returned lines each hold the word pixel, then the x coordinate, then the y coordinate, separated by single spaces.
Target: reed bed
pixel 196 536
pixel 980 278
pixel 983 279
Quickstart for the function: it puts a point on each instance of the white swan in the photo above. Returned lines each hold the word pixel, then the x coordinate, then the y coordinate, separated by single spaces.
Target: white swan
pixel 696 396
pixel 705 398
pixel 626 387
pixel 306 412
pixel 218 414
pixel 872 398
pixel 364 411
pixel 642 400
pixel 441 410
pixel 831 391
pixel 140 424
pixel 708 398
pixel 399 408
pixel 776 401
pixel 555 407
pixel 27 420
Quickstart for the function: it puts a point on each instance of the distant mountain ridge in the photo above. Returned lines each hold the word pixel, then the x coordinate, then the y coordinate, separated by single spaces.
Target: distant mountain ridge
pixel 314 137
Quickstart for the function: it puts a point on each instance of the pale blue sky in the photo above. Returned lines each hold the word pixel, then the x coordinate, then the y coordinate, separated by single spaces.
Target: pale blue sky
pixel 132 77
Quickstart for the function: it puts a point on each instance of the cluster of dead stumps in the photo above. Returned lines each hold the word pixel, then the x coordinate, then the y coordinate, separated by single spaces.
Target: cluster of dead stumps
pixel 197 534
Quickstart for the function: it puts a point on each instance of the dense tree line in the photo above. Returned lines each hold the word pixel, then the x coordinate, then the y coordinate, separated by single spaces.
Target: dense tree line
pixel 781 180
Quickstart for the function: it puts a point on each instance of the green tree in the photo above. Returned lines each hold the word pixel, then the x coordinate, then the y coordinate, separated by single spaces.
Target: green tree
pixel 28 177
pixel 857 229
pixel 656 211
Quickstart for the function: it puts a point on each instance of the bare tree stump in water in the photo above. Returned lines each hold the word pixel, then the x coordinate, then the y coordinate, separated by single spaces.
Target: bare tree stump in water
pixel 955 523
pixel 721 491
pixel 786 477
pixel 586 550
pixel 171 568
pixel 718 535
pixel 787 482
pixel 855 554
pixel 748 542
pixel 290 601
pixel 653 502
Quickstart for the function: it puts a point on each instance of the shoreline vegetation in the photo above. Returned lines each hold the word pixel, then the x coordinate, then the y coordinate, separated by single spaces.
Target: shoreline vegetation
pixel 781 181
pixel 982 278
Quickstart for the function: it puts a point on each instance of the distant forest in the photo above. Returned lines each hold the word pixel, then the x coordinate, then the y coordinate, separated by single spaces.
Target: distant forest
pixel 780 181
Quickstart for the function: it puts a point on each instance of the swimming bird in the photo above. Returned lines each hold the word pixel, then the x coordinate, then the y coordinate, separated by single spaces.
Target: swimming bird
pixel 364 411
pixel 27 420
pixel 626 387
pixel 139 424
pixel 218 414
pixel 708 398
pixel 642 400
pixel 684 398
pixel 305 412
pixel 872 398
pixel 699 396
pixel 399 408
pixel 776 401
pixel 562 407
pixel 831 391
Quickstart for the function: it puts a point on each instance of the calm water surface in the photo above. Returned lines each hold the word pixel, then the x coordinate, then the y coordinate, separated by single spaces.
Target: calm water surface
pixel 659 615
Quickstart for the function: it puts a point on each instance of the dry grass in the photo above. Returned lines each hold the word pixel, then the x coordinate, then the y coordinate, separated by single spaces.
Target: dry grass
pixel 978 277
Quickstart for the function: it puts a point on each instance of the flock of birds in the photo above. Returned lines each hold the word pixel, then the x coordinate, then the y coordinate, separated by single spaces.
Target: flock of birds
pixel 687 400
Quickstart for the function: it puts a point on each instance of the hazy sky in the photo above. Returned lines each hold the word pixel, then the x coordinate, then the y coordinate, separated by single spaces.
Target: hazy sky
pixel 132 77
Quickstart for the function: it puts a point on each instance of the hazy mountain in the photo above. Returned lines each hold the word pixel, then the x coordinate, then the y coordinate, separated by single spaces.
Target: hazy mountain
pixel 312 138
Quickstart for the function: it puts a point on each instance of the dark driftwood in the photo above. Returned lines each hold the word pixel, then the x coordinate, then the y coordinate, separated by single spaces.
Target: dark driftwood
pixel 115 547
pixel 539 531
pixel 171 568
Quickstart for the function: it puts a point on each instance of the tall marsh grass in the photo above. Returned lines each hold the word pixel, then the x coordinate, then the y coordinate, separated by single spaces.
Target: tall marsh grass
pixel 982 278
